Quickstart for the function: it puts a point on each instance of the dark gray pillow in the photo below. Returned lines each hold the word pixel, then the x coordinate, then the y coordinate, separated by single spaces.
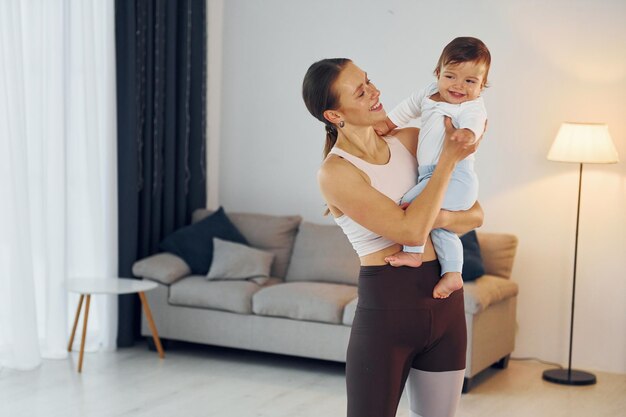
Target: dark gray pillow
pixel 194 243
pixel 472 260
pixel 239 262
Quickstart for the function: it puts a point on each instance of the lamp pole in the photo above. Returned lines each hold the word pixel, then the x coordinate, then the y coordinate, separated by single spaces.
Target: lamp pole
pixel 569 376
pixel 580 143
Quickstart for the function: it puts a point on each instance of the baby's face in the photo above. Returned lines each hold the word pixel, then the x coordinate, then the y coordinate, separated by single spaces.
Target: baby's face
pixel 462 82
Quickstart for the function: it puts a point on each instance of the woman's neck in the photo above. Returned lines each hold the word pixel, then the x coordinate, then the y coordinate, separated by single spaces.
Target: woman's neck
pixel 363 143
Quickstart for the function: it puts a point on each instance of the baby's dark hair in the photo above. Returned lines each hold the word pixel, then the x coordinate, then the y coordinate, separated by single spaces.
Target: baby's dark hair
pixel 465 49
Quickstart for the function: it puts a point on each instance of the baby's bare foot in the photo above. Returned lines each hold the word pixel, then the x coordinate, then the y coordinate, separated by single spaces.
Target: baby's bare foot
pixel 449 283
pixel 405 259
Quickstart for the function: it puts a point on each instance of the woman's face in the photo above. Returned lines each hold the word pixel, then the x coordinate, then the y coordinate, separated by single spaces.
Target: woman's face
pixel 358 97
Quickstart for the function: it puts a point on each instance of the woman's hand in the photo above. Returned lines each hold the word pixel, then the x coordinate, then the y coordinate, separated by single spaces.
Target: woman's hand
pixel 455 145
pixel 463 135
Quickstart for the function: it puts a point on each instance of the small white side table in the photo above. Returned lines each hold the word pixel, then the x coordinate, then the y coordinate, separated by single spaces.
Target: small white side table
pixel 87 287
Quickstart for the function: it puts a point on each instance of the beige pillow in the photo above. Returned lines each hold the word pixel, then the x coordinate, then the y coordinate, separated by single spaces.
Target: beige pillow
pixel 323 253
pixel 235 261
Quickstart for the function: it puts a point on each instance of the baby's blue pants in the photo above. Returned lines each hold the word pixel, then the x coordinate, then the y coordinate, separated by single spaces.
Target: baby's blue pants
pixel 461 194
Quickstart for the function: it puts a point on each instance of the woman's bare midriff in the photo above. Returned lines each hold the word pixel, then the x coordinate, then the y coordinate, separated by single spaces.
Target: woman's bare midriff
pixel 378 258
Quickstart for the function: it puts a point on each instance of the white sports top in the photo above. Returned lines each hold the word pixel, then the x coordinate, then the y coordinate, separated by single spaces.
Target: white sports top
pixel 392 179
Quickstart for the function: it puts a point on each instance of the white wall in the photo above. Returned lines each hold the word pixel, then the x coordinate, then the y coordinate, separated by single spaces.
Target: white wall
pixel 562 61
pixel 215 41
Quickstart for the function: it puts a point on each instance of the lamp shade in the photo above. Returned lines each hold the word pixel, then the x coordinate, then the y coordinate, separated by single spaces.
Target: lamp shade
pixel 583 143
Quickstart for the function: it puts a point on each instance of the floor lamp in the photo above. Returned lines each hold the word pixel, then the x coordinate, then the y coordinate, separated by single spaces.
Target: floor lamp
pixel 582 143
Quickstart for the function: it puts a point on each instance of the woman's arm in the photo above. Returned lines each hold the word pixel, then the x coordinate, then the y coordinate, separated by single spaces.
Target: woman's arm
pixel 460 222
pixel 349 191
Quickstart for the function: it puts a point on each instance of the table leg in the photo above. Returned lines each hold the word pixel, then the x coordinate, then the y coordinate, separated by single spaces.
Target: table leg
pixel 80 304
pixel 148 313
pixel 82 342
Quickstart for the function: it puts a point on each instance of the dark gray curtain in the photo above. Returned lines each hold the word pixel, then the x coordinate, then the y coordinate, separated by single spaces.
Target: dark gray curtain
pixel 161 73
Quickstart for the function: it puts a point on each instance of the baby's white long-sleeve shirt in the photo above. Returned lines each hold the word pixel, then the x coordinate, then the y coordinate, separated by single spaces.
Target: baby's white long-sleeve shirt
pixel 468 115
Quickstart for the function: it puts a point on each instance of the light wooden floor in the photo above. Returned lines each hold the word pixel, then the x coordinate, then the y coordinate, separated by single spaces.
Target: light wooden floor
pixel 210 381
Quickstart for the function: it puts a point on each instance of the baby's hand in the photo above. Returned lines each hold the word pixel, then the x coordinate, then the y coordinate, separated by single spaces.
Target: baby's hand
pixel 382 128
pixel 463 136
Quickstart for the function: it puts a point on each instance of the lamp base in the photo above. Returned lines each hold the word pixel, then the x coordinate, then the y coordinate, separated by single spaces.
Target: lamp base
pixel 569 377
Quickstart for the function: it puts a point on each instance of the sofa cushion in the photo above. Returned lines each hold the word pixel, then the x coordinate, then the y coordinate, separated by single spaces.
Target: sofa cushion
pixel 165 268
pixel 323 253
pixel 472 260
pixel 313 301
pixel 348 312
pixel 266 232
pixel 236 261
pixel 498 252
pixel 487 290
pixel 196 291
pixel 194 243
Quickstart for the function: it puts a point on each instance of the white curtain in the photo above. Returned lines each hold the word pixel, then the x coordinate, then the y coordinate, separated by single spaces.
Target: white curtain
pixel 58 175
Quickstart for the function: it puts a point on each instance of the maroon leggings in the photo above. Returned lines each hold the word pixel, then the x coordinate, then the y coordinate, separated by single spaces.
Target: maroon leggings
pixel 398 325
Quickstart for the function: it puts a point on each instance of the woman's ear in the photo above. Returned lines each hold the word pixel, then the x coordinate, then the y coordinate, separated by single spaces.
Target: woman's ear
pixel 332 116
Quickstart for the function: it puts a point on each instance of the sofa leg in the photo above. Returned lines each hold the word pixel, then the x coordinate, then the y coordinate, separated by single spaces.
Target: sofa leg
pixel 467 385
pixel 502 363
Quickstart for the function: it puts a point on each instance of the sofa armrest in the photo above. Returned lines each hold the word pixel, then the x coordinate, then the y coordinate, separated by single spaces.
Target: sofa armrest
pixel 498 253
pixel 165 268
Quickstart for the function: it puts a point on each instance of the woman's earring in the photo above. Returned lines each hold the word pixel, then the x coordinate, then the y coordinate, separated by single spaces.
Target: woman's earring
pixel 341 124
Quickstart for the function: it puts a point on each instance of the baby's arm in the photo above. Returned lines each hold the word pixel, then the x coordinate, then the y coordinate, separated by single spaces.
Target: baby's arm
pixel 471 121
pixel 403 113
pixel 410 108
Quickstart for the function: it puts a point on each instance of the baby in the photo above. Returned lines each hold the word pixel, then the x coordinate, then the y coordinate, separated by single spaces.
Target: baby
pixel 461 76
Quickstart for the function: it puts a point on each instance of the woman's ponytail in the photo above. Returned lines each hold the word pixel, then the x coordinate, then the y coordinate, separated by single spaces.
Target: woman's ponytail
pixel 331 139
pixel 319 96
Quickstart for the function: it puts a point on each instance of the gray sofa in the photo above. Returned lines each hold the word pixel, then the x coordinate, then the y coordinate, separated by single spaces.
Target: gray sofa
pixel 307 306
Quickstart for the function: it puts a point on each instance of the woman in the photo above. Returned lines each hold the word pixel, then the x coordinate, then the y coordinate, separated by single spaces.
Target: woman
pixel 399 329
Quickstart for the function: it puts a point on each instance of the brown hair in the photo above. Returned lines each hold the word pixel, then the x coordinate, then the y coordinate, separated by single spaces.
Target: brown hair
pixel 465 49
pixel 319 95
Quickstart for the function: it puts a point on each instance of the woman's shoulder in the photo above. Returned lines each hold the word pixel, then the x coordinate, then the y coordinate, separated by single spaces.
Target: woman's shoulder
pixel 335 170
pixel 332 165
pixel 406 133
pixel 330 162
pixel 408 137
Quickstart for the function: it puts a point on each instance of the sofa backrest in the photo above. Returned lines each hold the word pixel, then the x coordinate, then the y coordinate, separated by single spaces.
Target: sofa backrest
pixel 323 253
pixel 266 232
pixel 498 252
